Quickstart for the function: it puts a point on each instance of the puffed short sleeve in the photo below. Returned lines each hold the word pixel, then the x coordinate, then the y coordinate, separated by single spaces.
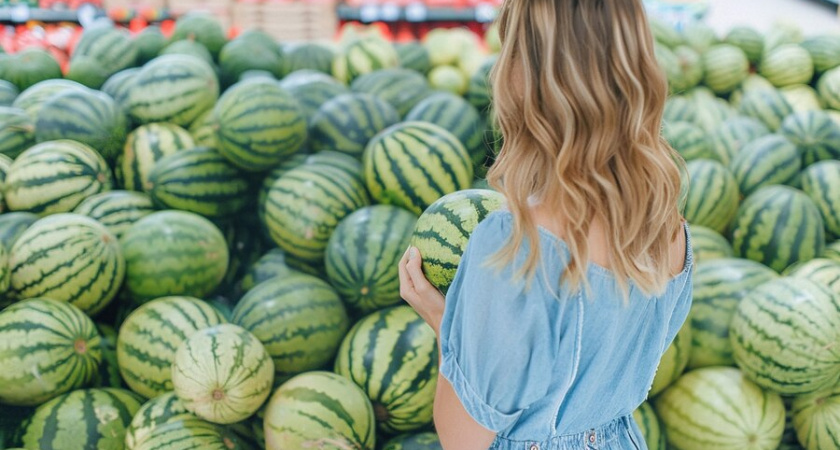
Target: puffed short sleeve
pixel 496 341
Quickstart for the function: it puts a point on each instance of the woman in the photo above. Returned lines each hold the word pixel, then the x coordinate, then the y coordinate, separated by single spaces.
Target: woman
pixel 564 303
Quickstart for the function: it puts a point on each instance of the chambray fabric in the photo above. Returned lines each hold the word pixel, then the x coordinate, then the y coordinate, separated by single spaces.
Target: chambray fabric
pixel 547 368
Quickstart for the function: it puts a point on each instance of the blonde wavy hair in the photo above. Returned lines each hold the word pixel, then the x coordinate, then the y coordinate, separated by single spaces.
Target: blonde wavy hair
pixel 578 96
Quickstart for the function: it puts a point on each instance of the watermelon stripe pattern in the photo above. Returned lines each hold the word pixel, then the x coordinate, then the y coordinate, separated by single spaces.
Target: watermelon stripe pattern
pixel 144 147
pixel 768 160
pixel 402 88
pixel 363 55
pixel 348 122
pixel 68 257
pixel 787 65
pixel 733 134
pixel 191 433
pixel 223 374
pixel 47 348
pixel 712 195
pixel 767 105
pixel 821 270
pixel 726 67
pixel 413 164
pixel 54 177
pixel 199 180
pixel 708 244
pixel 673 362
pixel 312 89
pixel 151 335
pixel 17 131
pixel 816 418
pixel 815 134
pixel 402 386
pixel 648 423
pixel 317 408
pixel 821 182
pixel 457 116
pixel 117 210
pixel 298 318
pixel 112 48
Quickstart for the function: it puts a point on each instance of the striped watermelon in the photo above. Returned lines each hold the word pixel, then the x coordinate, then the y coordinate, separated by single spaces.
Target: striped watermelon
pixel 778 226
pixel 673 362
pixel 202 28
pixel 682 65
pixel 732 135
pixel 173 88
pixel 743 415
pixel 173 253
pixel 442 231
pixel 712 195
pixel 393 356
pixel 223 374
pixel 12 225
pixel 90 117
pixel 47 348
pixel 402 88
pixel 246 54
pixel 747 39
pixel 787 65
pixel 31 99
pixel 203 131
pixel 54 177
pixel 29 67
pixel 87 71
pixel 824 50
pixel 188 47
pixel 699 36
pixel 479 90
pixel 782 336
pixel 690 141
pixel 8 93
pixel 317 408
pixel 821 181
pixel 305 205
pixel 363 55
pixel 149 337
pixel 259 125
pixel 68 257
pixel 664 33
pixel 299 319
pixel 648 423
pixel 192 433
pixel 419 441
pixel 5 277
pixel 768 160
pixel 307 56
pixel 117 210
pixel 17 131
pixel 802 97
pixel 393 176
pixel 816 418
pixel 119 84
pixel 832 251
pixel 112 48
pixel 272 264
pixel 457 116
pixel 828 87
pixel 678 108
pixel 726 67
pixel 710 111
pixel 719 286
pixel 767 105
pixel 348 122
pixel 198 180
pixel 414 56
pixel 312 89
pixel 821 270
pixel 815 134
pixel 82 419
pixel 144 147
pixel 163 409
pixel 363 255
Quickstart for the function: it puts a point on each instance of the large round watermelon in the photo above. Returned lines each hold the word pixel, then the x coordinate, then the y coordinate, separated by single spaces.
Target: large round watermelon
pixel 732 135
pixel 816 418
pixel 726 67
pixel 821 181
pixel 117 210
pixel 312 89
pixel 145 146
pixel 348 122
pixel 815 134
pixel 673 362
pixel 766 161
pixel 192 433
pixel 708 244
pixel 712 195
pixel 401 88
pixel 17 131
pixel 363 55
pixel 202 28
pixel 651 428
pixel 457 116
pixel 821 270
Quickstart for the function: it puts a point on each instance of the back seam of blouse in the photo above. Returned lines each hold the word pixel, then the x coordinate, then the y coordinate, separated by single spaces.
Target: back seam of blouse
pixel 575 364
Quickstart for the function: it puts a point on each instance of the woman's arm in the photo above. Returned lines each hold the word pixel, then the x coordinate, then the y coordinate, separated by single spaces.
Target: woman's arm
pixel 456 429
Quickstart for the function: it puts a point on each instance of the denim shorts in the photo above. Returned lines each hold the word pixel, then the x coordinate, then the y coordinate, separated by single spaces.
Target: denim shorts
pixel 620 434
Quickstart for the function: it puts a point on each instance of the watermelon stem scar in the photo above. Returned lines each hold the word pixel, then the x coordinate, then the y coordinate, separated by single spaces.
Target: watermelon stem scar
pixel 218 394
pixel 80 346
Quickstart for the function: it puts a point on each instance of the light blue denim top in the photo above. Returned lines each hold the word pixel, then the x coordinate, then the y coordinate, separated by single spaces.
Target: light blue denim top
pixel 539 363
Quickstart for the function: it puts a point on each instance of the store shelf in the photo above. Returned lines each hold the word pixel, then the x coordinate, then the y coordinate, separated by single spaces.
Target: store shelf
pixel 23 14
pixel 415 13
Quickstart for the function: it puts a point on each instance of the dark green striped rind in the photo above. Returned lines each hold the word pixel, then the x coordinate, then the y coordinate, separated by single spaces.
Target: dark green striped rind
pixel 47 348
pixel 414 56
pixel 821 182
pixel 726 67
pixel 712 195
pixel 144 147
pixel 249 54
pixel 392 355
pixel 8 93
pixel 150 336
pixel 188 47
pixel 173 88
pixel 307 56
pixel 305 205
pixel 163 409
pixel 690 141
pixel 31 99
pixel 442 231
pixel 673 362
pixel 203 131
pixel 119 84
pixel 413 164
pixel 824 50
pixel 828 87
pixel 816 418
pixel 363 55
pixel 782 336
pixel 747 39
pixel 222 374
pixel 320 407
pixel 478 91
pixel 768 160
pixel 173 253
pixel 17 131
pixel 203 28
pixel 54 177
pixel 312 89
pixel 402 88
pixel 419 441
pixel 273 263
pixel 708 244
pixel 767 105
pixel 719 286
pixel 363 255
pixel 815 134
pixel 112 48
pixel 259 124
pixel 787 65
pixel 12 225
pixel 648 423
pixel 732 135
pixel 821 270
pixel 117 210
pixel 678 108
pixel 198 180
pixel 70 258
pixel 457 116
pixel 82 419
pixel 192 433
pixel 298 318
pixel 778 226
pixel 348 122
pixel 29 66
pixel 832 251
pixel 718 407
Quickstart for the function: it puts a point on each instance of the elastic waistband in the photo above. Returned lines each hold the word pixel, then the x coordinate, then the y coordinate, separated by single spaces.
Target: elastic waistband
pixel 594 438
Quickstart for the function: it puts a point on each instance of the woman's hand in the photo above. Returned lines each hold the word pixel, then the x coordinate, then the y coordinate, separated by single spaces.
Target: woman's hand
pixel 418 292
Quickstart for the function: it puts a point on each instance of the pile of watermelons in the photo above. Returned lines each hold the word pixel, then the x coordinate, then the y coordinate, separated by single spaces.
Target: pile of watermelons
pixel 199 237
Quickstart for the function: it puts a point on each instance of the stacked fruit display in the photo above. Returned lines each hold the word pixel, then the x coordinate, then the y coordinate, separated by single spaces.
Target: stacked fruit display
pixel 200 238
